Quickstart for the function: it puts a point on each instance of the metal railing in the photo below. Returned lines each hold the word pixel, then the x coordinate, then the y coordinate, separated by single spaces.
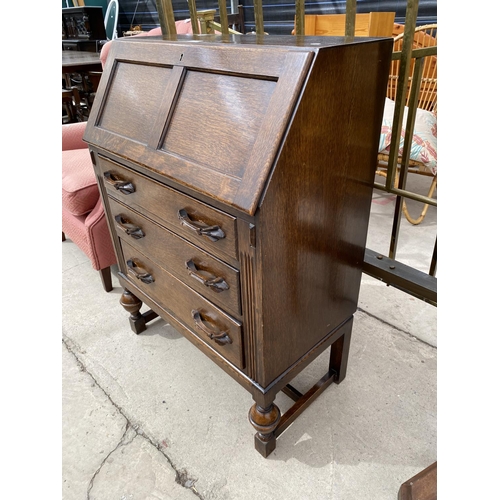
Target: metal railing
pixel 387 268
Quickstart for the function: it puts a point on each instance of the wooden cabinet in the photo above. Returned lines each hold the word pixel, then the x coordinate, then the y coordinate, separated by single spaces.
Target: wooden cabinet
pixel 83 28
pixel 236 174
pixel 366 24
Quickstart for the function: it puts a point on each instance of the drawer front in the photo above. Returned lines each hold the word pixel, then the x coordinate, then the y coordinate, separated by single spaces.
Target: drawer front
pixel 199 223
pixel 207 275
pixel 214 327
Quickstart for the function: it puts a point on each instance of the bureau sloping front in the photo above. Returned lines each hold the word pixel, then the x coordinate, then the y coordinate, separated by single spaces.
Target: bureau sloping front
pixel 240 108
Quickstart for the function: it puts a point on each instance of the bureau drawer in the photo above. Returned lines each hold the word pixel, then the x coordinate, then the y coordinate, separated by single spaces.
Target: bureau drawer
pixel 206 274
pixel 199 223
pixel 217 329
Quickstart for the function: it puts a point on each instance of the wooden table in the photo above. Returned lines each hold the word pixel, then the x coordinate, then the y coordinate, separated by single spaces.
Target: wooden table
pixel 76 61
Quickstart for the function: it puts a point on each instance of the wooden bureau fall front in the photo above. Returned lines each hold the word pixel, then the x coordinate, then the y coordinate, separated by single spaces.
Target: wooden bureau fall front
pixel 236 174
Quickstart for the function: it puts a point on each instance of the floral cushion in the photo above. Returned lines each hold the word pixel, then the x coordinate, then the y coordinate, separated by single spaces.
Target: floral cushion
pixel 424 144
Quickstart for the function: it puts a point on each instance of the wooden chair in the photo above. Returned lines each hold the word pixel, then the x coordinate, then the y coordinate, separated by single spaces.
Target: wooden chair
pixel 425 36
pixel 236 20
pixel 71 106
pixel 210 23
pixel 90 85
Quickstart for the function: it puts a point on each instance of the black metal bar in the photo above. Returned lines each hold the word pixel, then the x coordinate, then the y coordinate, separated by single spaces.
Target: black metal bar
pixel 405 278
pixel 432 270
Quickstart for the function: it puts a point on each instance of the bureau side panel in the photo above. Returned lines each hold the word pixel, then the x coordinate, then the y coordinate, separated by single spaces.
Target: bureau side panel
pixel 313 219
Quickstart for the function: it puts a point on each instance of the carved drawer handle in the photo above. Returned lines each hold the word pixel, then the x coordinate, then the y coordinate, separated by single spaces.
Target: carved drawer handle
pixel 222 338
pixel 216 283
pixel 132 230
pixel 124 187
pixel 139 273
pixel 213 233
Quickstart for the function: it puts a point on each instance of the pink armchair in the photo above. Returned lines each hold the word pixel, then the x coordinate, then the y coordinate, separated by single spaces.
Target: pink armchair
pixel 83 219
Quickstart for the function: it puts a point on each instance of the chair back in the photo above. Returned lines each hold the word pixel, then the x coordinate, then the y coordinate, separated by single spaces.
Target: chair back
pixel 425 37
pixel 111 20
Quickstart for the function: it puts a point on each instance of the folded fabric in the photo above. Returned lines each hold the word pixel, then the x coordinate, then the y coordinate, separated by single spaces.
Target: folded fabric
pixel 424 143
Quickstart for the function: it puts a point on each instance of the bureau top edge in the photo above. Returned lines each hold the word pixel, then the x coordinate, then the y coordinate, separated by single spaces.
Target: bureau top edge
pixel 286 42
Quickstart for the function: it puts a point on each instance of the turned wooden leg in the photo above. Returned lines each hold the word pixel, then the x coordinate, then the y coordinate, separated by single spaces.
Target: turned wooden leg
pixel 339 355
pixel 265 421
pixel 133 305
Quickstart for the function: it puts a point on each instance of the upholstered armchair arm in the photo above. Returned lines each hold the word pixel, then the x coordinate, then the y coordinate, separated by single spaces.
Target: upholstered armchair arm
pixel 72 136
pixel 95 215
pixel 103 55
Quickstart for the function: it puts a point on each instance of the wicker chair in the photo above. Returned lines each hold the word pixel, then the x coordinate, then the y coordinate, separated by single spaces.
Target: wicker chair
pixel 425 36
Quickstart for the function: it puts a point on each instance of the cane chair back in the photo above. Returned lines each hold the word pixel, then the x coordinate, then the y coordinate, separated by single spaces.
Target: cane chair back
pixel 426 101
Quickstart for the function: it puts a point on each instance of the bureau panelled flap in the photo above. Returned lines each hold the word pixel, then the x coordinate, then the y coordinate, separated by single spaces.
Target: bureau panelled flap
pixel 222 142
pixel 209 116
pixel 128 110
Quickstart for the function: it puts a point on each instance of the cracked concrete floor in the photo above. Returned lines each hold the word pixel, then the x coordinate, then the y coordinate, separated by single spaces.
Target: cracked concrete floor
pixel 150 417
pixel 104 456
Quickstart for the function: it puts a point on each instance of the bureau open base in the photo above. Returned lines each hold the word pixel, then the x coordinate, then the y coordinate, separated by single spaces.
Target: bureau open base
pixel 236 174
pixel 264 415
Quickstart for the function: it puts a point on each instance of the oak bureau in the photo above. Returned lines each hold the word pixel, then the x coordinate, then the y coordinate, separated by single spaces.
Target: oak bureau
pixel 236 174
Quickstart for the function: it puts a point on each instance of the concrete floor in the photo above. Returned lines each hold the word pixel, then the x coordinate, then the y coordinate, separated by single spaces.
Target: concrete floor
pixel 150 417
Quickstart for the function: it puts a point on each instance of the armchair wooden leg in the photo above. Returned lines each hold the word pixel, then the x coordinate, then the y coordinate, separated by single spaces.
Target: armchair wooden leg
pixel 106 279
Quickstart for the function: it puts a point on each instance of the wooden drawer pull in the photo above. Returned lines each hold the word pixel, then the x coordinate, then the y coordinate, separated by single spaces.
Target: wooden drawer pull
pixel 213 233
pixel 214 282
pixel 124 187
pixel 213 333
pixel 139 273
pixel 127 227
